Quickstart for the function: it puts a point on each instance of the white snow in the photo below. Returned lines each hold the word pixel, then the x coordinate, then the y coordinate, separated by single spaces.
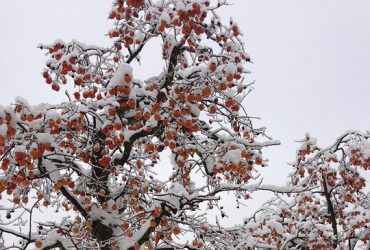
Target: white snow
pixel 230 69
pixel 20 148
pixel 117 79
pixel 276 226
pixel 233 156
pixel 52 114
pixel 52 170
pixel 3 130
pixel 44 138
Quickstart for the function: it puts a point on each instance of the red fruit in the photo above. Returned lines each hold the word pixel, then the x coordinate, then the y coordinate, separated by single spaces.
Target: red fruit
pixel 212 67
pixel 131 103
pixel 16 200
pixel 49 80
pixel 157 117
pixel 127 78
pixel 229 103
pixel 77 95
pixel 71 185
pixel 38 244
pixel 229 77
pixel 146 116
pixel 125 225
pixel 156 106
pixel 126 90
pixel 55 87
pixel 258 161
pixel 112 112
pixel 78 81
pixel 212 110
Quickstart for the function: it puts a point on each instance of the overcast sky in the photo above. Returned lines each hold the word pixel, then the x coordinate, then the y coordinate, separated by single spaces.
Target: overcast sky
pixel 311 61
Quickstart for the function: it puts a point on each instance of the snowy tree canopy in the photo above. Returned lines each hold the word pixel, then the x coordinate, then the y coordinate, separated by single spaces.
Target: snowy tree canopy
pixel 97 157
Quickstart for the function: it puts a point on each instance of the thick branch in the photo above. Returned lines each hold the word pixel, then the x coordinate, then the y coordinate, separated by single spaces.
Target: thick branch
pixel 73 201
pixel 176 51
pixel 146 235
pixel 331 212
pixel 57 244
pixel 64 191
pixel 15 233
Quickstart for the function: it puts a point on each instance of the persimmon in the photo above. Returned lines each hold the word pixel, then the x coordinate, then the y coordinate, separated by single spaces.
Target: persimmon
pixel 125 226
pixel 5 161
pixel 235 108
pixel 149 147
pixel 127 78
pixel 87 200
pixel 229 77
pixel 206 92
pixel 55 87
pixel 177 114
pixel 155 107
pixel 138 115
pixel 35 153
pixel 157 212
pixel 258 161
pixel 235 30
pixel 137 246
pixel 164 223
pixel 49 80
pixel 126 90
pixel 165 121
pixel 170 135
pixel 212 67
pixel 131 103
pixel 16 200
pixel 176 230
pixel 117 126
pixel 190 98
pixel 233 167
pixel 89 222
pixel 172 145
pixel 161 28
pixel 246 155
pixel 153 224
pixel 130 234
pixel 112 112
pixel 4 167
pixel 229 102
pixel 157 117
pixel 212 109
pixel 38 244
pixel 146 116
pixel 25 200
pixel 25 182
pixel 8 117
pixel 198 98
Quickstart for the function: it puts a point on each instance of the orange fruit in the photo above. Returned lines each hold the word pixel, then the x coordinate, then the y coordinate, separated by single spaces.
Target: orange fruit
pixel 38 244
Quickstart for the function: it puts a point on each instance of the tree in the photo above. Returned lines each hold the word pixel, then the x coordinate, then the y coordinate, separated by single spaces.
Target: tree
pixel 95 157
pixel 333 209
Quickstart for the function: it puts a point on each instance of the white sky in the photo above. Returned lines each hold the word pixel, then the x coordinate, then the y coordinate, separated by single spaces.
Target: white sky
pixel 311 61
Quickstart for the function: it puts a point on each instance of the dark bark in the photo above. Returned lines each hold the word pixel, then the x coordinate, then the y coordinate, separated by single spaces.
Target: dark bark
pixel 331 211
pixel 101 231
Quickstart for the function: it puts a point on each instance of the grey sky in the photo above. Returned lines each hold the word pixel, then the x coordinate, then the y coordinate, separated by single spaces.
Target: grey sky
pixel 311 61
